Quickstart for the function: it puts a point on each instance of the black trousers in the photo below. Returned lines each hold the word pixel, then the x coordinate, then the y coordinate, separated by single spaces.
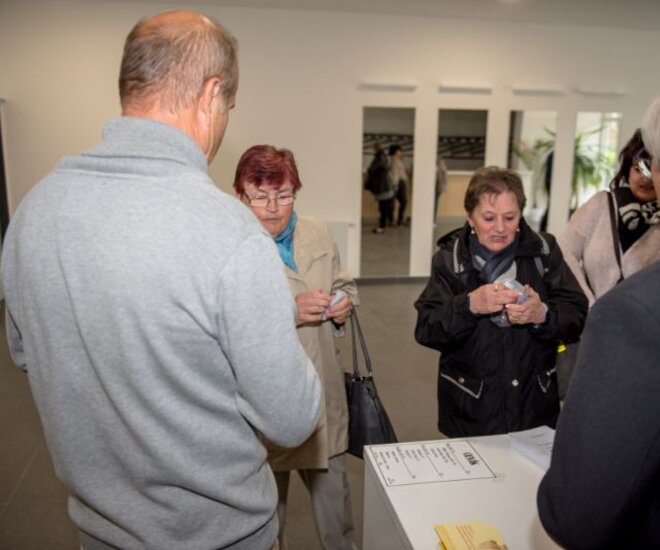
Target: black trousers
pixel 386 210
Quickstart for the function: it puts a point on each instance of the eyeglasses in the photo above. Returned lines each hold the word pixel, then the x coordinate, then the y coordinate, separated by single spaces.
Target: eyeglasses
pixel 643 166
pixel 261 201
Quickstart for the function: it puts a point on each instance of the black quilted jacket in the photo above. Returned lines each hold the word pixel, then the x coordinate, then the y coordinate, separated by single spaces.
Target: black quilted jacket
pixel 496 380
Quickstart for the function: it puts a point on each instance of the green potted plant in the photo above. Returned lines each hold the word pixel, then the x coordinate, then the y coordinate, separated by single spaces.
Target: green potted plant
pixel 590 165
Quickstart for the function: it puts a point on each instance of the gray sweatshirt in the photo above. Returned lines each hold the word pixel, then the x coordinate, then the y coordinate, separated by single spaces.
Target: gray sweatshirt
pixel 157 329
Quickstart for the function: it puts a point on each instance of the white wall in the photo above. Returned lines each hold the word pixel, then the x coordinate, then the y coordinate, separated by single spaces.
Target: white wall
pixel 300 76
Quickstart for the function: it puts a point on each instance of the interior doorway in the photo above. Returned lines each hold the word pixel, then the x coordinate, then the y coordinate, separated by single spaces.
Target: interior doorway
pixel 385 240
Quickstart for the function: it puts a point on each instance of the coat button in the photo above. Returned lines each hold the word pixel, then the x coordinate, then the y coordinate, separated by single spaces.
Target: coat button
pixel 515 383
pixel 461 380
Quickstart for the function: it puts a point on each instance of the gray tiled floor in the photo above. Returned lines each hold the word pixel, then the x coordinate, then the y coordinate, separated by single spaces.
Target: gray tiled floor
pixel 388 254
pixel 33 503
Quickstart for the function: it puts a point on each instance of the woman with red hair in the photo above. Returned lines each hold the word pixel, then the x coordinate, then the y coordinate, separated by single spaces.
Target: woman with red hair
pixel 267 181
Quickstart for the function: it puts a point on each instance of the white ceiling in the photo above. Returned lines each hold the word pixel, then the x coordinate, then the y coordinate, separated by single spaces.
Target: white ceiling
pixel 629 14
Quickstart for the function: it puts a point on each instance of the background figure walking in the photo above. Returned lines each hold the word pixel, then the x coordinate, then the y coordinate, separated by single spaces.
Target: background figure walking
pixel 398 174
pixel 378 182
pixel 440 186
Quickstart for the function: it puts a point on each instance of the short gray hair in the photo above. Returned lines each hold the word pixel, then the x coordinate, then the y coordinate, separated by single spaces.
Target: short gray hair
pixel 171 55
pixel 651 130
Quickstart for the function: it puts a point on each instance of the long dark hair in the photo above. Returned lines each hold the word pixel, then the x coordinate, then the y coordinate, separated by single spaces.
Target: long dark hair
pixel 631 151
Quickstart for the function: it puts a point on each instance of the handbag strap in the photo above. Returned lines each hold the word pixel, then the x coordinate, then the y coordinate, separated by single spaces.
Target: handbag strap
pixel 615 233
pixel 355 327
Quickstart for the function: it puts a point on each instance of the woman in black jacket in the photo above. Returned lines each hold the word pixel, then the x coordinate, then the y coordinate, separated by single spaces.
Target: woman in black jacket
pixel 499 301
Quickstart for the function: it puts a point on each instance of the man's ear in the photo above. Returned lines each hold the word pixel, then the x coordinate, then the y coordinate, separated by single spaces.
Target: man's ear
pixel 207 99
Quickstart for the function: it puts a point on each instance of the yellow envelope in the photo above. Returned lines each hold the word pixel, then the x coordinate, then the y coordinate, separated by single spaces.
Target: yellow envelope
pixel 469 536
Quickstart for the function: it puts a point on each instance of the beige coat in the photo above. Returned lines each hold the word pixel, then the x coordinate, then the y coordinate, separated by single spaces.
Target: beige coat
pixel 588 248
pixel 318 266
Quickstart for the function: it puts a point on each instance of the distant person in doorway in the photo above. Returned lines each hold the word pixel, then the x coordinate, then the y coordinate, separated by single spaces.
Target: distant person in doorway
pixel 547 183
pixel 499 299
pixel 440 185
pixel 398 174
pixel 267 181
pixel 378 182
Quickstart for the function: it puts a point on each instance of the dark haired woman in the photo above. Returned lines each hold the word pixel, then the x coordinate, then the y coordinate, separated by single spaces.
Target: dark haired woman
pixel 606 238
pixel 499 300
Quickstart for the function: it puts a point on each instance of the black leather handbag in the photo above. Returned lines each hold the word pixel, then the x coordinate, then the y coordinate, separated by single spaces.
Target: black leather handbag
pixel 368 423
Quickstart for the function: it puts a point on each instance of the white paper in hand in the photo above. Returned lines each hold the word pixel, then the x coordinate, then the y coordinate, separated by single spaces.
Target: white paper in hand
pixel 338 297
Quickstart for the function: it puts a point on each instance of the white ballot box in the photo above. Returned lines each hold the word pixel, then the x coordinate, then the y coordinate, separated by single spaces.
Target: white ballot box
pixel 411 487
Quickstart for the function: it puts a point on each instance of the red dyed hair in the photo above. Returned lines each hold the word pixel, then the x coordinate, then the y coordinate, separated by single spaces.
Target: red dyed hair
pixel 266 165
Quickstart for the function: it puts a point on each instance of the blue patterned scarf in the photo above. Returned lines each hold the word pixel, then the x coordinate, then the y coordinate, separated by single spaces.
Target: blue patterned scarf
pixel 284 242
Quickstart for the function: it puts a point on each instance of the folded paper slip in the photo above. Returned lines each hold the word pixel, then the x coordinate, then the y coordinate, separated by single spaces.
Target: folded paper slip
pixel 535 444
pixel 469 536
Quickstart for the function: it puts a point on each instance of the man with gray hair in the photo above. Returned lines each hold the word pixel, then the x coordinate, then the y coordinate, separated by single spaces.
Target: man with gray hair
pixel 152 316
pixel 601 490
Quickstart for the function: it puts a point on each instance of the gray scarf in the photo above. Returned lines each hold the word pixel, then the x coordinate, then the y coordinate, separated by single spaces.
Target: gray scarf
pixel 495 267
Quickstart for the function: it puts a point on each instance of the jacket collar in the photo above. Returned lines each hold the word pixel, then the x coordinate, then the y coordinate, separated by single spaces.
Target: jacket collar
pixel 134 139
pixel 306 250
pixel 531 244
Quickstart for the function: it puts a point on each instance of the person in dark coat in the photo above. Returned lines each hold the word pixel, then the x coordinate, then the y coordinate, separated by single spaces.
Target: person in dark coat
pixel 499 300
pixel 601 490
pixel 379 183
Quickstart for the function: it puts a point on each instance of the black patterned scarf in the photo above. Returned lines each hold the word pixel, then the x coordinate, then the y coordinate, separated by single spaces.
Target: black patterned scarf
pixel 634 217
